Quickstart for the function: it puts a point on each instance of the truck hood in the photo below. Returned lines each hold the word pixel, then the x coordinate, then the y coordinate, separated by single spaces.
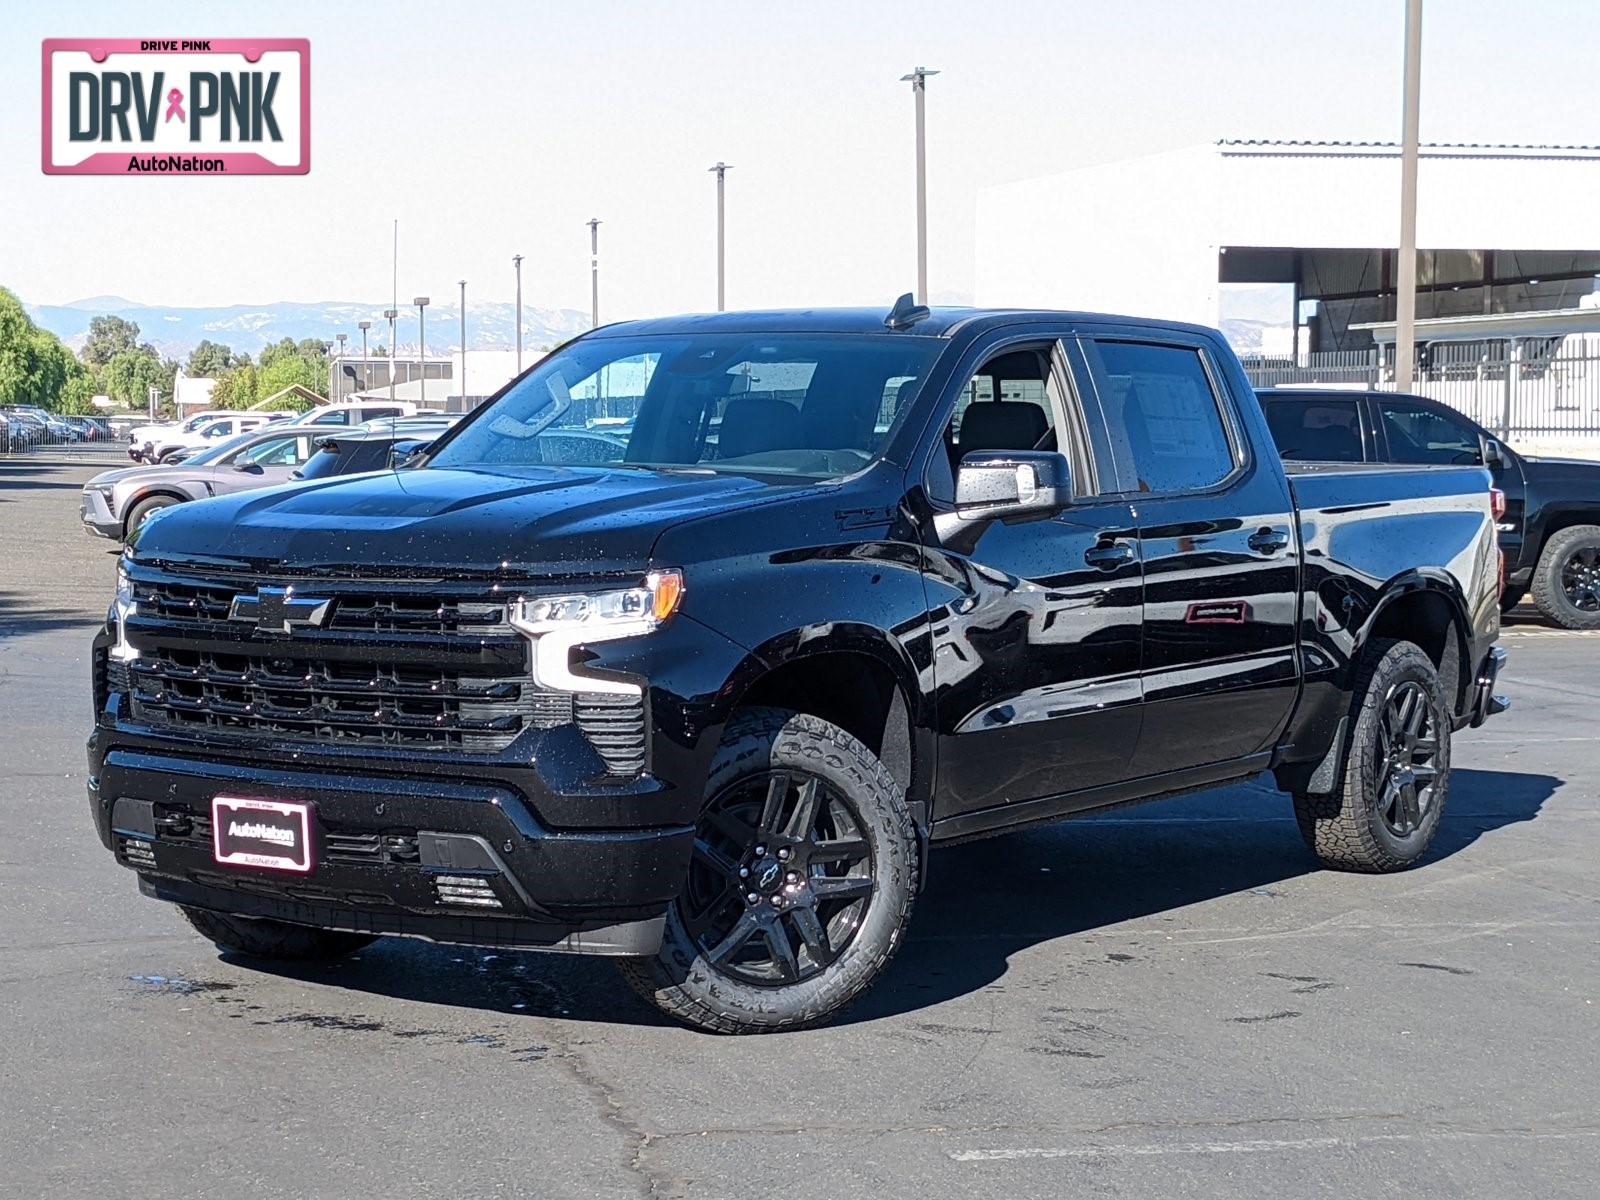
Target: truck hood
pixel 1586 467
pixel 528 521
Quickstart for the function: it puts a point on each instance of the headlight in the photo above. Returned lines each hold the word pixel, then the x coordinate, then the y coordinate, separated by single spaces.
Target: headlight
pixel 556 624
pixel 123 607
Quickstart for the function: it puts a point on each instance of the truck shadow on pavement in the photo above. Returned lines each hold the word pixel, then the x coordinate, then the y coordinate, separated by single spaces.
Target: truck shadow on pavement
pixel 984 902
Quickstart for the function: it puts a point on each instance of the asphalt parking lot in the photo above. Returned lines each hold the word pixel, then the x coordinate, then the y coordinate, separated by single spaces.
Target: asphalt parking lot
pixel 1165 1000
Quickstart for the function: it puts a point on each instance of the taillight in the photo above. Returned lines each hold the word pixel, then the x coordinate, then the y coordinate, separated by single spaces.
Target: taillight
pixel 1497 504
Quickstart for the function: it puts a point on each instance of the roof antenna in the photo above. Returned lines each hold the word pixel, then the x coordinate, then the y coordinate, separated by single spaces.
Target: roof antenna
pixel 906 313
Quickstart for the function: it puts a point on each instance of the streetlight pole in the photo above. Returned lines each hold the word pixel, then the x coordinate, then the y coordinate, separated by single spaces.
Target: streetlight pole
pixel 422 350
pixel 516 262
pixel 918 79
pixel 394 351
pixel 1405 329
pixel 463 343
pixel 366 377
pixel 594 272
pixel 338 369
pixel 720 170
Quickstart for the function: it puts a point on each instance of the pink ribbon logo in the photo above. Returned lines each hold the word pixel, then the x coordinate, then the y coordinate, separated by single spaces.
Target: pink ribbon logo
pixel 175 105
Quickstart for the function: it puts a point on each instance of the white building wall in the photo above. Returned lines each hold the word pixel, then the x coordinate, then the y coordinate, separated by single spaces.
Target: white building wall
pixel 1140 236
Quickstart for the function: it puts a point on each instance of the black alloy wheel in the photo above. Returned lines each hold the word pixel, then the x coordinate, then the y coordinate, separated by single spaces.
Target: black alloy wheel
pixel 1407 747
pixel 780 879
pixel 1580 579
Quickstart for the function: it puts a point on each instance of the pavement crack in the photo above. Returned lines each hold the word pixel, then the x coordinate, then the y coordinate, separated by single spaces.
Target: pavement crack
pixel 651 1184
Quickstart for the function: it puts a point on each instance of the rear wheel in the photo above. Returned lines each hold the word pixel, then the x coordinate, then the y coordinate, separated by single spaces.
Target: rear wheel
pixel 273 939
pixel 800 887
pixel 1566 583
pixel 1396 769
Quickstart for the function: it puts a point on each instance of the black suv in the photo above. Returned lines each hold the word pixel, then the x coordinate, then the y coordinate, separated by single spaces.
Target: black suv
pixel 1551 529
pixel 688 645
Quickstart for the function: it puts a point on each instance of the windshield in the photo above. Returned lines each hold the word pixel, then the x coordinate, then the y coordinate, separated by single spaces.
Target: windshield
pixel 221 450
pixel 807 406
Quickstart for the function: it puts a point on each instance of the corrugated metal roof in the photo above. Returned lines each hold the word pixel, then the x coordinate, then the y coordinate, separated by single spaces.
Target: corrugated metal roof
pixel 1463 149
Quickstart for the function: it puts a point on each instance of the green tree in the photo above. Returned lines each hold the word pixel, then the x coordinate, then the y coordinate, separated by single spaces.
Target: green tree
pixel 129 375
pixel 210 359
pixel 236 388
pixel 77 396
pixel 108 337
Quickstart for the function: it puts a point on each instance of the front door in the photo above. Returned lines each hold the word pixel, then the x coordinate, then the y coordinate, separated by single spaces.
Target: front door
pixel 1218 539
pixel 1036 622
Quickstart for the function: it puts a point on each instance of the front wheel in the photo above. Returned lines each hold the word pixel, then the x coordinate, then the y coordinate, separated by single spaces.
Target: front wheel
pixel 800 887
pixel 1387 807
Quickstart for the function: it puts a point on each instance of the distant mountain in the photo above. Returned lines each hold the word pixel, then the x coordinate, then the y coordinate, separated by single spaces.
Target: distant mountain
pixel 175 330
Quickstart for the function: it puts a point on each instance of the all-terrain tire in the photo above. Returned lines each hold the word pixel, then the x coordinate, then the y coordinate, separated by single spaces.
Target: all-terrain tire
pixel 683 982
pixel 277 940
pixel 1549 589
pixel 1346 829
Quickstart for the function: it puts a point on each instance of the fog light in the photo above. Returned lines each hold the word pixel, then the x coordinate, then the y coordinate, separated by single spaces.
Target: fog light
pixel 470 891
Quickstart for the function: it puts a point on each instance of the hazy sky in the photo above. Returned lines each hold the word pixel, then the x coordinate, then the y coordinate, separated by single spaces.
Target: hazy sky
pixel 495 128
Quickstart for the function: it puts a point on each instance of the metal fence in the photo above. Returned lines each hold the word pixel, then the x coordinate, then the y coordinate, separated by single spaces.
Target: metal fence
pixel 28 432
pixel 1536 387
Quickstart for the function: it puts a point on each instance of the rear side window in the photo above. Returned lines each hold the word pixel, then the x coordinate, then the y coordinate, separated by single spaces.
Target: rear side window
pixel 1167 429
pixel 1420 435
pixel 1315 430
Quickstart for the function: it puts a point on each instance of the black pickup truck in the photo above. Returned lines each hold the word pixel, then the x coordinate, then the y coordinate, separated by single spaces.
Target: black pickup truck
pixel 1550 530
pixel 840 587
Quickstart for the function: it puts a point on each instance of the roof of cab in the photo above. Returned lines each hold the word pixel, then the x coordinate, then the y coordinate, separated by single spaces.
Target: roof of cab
pixel 942 322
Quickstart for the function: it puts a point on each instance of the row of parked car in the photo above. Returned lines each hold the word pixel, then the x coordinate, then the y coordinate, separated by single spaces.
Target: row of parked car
pixel 216 454
pixel 28 427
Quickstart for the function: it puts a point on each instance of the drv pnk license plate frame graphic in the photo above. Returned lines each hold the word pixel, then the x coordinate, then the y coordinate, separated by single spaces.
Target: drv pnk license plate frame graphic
pixel 168 106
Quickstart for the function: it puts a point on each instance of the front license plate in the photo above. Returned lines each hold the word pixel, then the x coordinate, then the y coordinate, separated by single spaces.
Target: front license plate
pixel 272 834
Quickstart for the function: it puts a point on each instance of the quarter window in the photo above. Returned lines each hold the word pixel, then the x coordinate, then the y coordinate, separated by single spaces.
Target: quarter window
pixel 1167 428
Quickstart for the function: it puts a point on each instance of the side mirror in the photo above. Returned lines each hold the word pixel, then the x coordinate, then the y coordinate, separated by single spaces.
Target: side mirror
pixel 1494 454
pixel 249 468
pixel 403 454
pixel 991 484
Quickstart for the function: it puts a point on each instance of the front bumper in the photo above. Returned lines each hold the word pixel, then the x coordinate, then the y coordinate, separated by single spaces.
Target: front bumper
pixel 97 516
pixel 382 847
pixel 1486 702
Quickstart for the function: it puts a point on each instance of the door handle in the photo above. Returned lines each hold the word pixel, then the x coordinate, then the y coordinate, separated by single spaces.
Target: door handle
pixel 1108 556
pixel 1268 541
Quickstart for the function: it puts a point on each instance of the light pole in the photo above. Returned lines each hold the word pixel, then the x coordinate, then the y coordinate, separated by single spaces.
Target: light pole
pixel 918 79
pixel 366 378
pixel 594 272
pixel 1405 299
pixel 338 369
pixel 516 262
pixel 463 343
pixel 422 350
pixel 720 170
pixel 394 353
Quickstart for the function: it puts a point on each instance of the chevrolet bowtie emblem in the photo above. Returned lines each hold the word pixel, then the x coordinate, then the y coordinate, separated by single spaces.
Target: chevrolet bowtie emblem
pixel 279 610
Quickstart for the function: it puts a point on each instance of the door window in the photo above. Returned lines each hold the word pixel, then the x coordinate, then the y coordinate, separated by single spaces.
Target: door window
pixel 1006 404
pixel 1420 435
pixel 1168 431
pixel 1316 430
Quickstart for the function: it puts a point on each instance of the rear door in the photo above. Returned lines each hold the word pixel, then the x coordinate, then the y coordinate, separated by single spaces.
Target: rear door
pixel 1218 541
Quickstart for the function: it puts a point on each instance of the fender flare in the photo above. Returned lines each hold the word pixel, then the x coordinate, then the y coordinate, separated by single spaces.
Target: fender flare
pixel 1434 581
pixel 863 641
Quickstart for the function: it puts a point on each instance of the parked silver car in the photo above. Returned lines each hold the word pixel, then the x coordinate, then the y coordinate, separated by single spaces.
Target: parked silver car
pixel 117 502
